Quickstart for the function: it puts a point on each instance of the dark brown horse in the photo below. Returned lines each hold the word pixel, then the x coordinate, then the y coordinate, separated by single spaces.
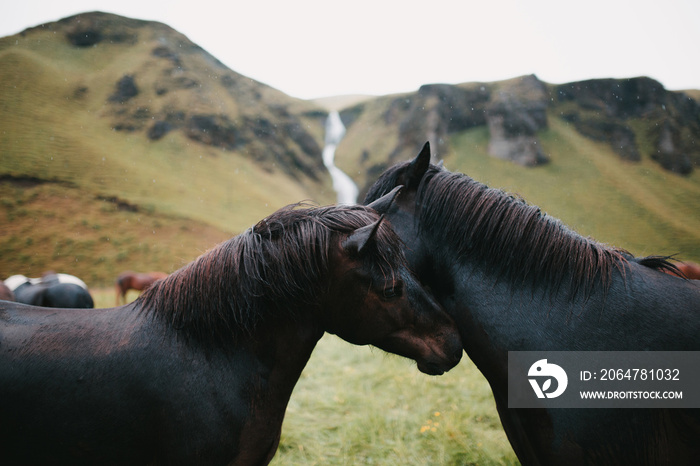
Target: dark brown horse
pixel 135 281
pixel 199 369
pixel 689 270
pixel 515 279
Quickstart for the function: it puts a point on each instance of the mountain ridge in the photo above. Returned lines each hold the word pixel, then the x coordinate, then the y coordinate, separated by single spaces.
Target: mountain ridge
pixel 140 126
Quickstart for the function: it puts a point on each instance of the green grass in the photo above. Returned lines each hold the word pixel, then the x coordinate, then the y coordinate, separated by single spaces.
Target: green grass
pixel 359 405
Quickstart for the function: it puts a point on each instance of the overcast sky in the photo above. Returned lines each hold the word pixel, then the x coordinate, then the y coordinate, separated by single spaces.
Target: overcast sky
pixel 319 48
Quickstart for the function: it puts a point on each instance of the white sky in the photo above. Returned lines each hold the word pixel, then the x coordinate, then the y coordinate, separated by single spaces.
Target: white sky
pixel 318 48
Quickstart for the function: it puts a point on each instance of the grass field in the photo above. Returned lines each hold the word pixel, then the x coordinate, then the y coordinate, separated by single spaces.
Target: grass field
pixel 359 405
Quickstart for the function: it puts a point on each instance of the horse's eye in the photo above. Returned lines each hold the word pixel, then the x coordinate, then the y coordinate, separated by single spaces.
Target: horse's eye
pixel 394 291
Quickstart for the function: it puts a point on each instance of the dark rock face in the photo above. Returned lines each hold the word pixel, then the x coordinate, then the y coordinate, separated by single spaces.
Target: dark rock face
pixel 635 117
pixel 513 112
pixel 90 29
pixel 436 111
pixel 669 155
pixel 620 136
pixel 125 90
pixel 84 38
pixel 615 98
pixel 514 115
pixel 213 130
pixel 670 121
pixel 159 129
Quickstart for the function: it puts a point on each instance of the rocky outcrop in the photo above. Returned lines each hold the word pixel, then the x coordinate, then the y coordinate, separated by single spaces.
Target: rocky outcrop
pixel 680 159
pixel 515 113
pixel 173 85
pixel 124 90
pixel 633 116
pixel 433 113
pixel 607 109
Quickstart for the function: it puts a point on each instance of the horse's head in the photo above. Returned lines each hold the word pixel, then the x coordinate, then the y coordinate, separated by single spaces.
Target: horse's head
pixel 378 301
pixel 402 212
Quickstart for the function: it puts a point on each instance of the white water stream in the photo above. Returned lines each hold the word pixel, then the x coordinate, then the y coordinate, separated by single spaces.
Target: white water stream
pixel 345 188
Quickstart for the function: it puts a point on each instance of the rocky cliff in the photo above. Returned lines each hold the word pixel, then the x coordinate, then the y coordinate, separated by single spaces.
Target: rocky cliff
pixel 627 114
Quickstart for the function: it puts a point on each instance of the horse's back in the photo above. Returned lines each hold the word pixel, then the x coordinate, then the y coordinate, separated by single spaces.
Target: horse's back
pixel 54 294
pixel 29 294
pixel 110 386
pixel 59 369
pixel 673 303
pixel 67 295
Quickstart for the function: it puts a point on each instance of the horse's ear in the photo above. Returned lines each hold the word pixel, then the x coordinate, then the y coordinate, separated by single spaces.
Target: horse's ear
pixel 382 204
pixel 418 167
pixel 361 237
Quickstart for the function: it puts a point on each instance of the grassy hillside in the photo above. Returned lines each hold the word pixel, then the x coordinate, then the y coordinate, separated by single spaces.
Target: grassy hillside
pixel 62 228
pixel 59 124
pixel 636 206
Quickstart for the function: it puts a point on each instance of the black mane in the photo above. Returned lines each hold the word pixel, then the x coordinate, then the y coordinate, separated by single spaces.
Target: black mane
pixel 276 268
pixel 509 238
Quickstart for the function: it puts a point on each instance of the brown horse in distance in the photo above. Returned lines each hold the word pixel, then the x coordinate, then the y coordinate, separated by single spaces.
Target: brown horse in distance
pixel 689 270
pixel 135 281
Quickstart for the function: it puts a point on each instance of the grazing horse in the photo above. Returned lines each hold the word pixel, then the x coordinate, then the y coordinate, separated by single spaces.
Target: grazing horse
pixel 135 281
pixel 51 290
pixel 689 270
pixel 515 279
pixel 200 368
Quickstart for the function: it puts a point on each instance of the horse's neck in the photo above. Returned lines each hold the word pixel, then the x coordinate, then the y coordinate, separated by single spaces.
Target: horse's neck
pixel 642 310
pixel 280 356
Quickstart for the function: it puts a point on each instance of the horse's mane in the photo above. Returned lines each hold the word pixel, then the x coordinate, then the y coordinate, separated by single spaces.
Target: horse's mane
pixel 507 237
pixel 276 268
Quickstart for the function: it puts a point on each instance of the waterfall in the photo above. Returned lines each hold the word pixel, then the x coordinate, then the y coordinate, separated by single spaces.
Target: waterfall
pixel 345 188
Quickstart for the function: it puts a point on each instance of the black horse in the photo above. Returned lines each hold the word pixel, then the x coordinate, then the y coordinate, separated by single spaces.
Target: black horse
pixel 515 279
pixel 199 369
pixel 51 290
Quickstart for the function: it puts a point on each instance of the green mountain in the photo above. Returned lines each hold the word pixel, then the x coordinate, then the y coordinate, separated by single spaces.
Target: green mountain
pixel 124 145
pixel 614 159
pixel 130 116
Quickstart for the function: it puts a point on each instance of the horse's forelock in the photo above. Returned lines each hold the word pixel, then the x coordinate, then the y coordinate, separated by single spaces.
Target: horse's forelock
pixel 386 249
